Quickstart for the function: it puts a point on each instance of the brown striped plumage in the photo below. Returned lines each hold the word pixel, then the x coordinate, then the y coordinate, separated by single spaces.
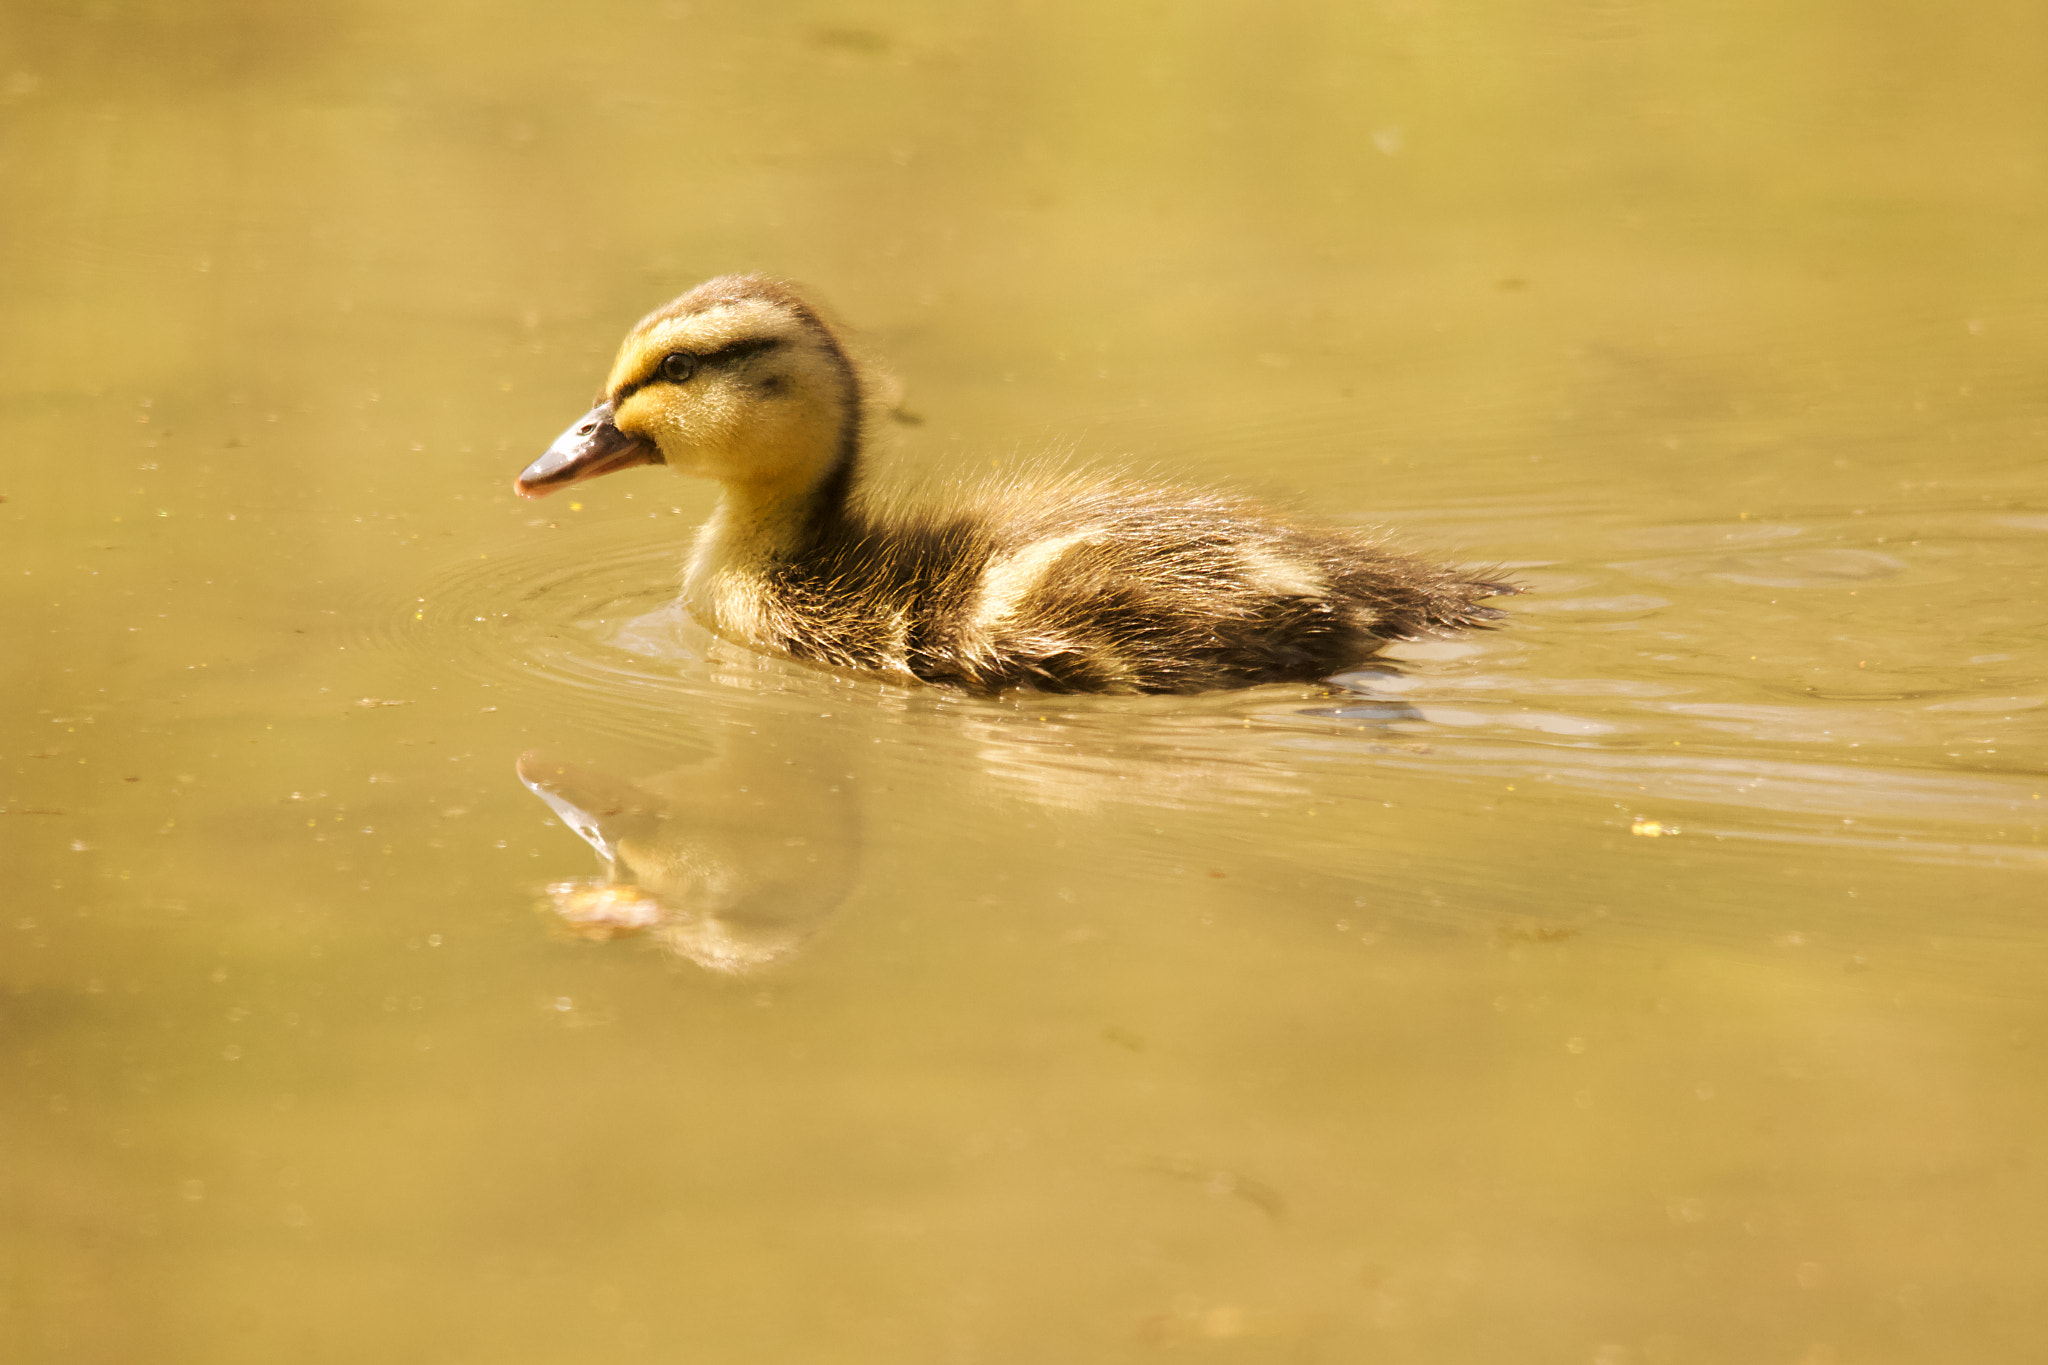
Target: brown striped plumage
pixel 1057 584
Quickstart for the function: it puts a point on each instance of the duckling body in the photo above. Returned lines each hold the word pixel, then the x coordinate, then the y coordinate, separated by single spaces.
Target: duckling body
pixel 1062 584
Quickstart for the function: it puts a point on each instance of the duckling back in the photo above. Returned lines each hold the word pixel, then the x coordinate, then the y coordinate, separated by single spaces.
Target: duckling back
pixel 1080 585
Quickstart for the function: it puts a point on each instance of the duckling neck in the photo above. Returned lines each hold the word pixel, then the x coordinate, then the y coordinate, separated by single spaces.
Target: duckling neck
pixel 757 528
pixel 762 525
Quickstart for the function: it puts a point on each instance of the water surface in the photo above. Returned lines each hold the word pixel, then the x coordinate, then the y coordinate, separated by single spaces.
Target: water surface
pixel 1656 979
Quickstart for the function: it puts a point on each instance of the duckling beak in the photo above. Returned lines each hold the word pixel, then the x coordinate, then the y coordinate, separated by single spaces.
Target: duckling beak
pixel 594 446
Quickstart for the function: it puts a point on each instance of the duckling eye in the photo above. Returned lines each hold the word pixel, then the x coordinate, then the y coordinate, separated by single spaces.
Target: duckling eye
pixel 678 366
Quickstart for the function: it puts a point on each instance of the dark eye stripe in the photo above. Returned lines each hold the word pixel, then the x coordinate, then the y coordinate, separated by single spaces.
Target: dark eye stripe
pixel 724 355
pixel 740 350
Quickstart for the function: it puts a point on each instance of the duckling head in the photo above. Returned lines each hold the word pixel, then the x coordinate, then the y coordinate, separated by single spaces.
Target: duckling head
pixel 739 380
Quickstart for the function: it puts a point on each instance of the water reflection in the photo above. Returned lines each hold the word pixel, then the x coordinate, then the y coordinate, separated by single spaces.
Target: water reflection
pixel 735 862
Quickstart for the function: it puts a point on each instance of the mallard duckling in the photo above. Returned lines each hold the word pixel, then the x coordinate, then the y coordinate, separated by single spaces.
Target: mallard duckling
pixel 1059 584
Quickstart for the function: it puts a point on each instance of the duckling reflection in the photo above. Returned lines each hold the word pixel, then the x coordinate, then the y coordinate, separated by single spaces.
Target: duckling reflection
pixel 1227 749
pixel 1363 696
pixel 734 863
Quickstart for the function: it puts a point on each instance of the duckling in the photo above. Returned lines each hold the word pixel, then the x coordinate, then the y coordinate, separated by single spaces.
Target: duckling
pixel 1058 583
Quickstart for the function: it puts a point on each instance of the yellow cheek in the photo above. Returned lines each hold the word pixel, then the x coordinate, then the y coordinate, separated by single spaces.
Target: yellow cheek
pixel 690 426
pixel 650 413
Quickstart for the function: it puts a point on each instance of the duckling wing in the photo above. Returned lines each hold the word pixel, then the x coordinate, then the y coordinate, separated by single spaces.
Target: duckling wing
pixel 1149 590
pixel 1107 587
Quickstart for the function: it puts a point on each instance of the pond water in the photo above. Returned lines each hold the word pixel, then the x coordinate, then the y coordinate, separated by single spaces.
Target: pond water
pixel 423 944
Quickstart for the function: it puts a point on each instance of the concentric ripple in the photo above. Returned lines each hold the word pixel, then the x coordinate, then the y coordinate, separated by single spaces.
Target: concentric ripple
pixel 582 621
pixel 1742 669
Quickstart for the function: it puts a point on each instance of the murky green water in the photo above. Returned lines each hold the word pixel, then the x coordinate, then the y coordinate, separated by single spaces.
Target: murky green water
pixel 1658 980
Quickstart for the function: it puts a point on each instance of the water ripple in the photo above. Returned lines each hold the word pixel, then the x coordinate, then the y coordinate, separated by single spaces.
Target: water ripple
pixel 1645 699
